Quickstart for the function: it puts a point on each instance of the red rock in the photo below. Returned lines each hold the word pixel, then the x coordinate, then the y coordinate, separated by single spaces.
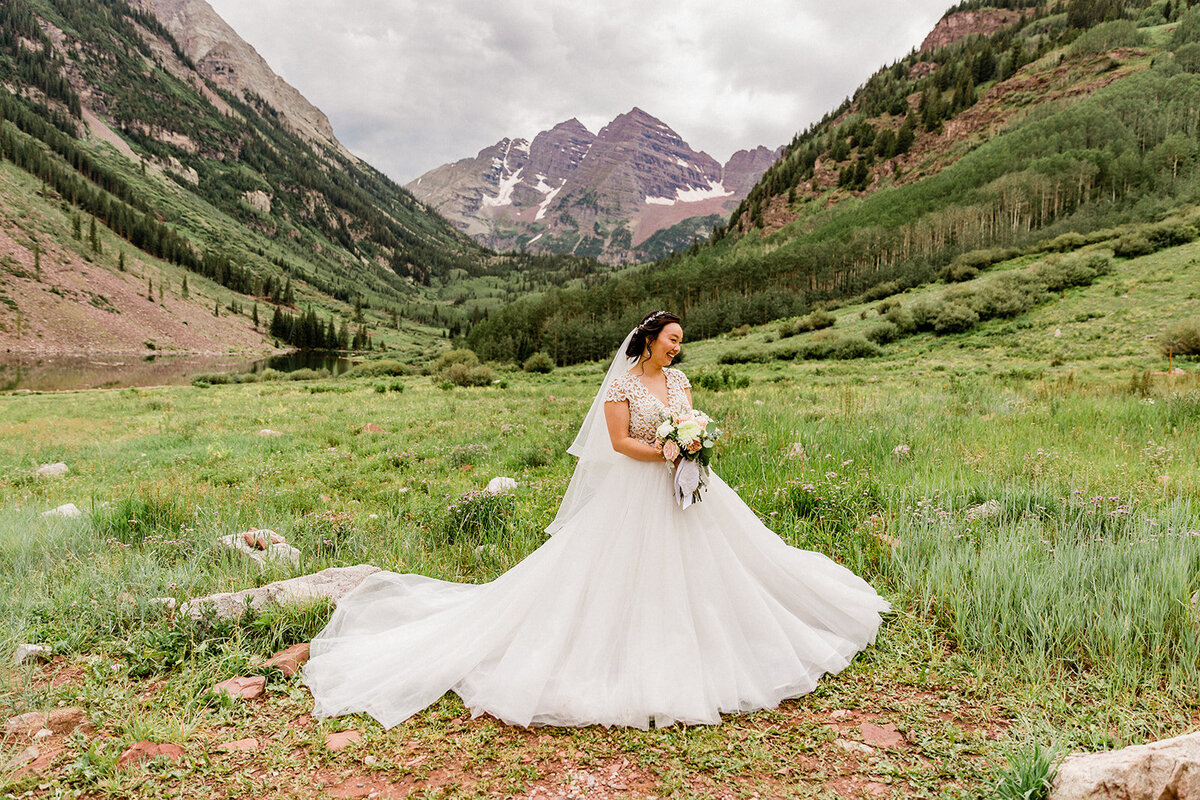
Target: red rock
pixel 244 688
pixel 882 735
pixel 342 740
pixel 59 721
pixel 239 745
pixel 371 427
pixel 290 660
pixel 145 751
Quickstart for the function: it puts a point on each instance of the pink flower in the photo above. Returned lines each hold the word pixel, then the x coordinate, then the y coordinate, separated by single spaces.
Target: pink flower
pixel 670 450
pixel 683 418
pixel 694 447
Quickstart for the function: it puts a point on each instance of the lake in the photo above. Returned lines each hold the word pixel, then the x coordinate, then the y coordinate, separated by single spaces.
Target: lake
pixel 109 370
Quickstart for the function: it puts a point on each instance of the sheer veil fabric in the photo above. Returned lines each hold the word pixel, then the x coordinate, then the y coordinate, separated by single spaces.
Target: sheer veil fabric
pixel 634 612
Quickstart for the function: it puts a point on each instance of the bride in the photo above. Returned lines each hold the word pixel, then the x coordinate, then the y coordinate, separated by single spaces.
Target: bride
pixel 634 612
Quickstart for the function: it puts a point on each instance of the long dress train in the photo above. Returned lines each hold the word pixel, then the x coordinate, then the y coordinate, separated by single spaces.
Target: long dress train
pixel 634 612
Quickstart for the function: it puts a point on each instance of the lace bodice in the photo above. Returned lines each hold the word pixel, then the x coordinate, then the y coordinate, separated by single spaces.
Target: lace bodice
pixel 644 407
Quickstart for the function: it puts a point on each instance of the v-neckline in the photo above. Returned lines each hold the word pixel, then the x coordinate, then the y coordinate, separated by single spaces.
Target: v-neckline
pixel 641 383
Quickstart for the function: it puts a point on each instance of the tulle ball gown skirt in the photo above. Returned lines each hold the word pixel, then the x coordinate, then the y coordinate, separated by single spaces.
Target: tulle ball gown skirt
pixel 634 612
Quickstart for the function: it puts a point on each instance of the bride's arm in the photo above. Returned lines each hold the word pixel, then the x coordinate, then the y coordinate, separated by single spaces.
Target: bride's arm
pixel 616 414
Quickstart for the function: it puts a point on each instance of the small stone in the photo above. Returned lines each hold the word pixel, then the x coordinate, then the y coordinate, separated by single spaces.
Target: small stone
pixel 21 759
pixel 371 427
pixel 277 551
pixel 851 746
pixel 238 746
pixel 500 484
pixel 54 470
pixel 269 432
pixel 885 736
pixel 261 538
pixel 58 721
pixel 246 688
pixel 369 760
pixel 165 602
pixel 26 652
pixel 42 734
pixel 290 660
pixel 67 510
pixel 1162 769
pixel 839 713
pixel 145 751
pixel 1057 332
pixel 342 740
pixel 902 452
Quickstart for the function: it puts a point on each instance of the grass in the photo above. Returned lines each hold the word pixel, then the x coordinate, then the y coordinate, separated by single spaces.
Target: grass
pixel 1047 520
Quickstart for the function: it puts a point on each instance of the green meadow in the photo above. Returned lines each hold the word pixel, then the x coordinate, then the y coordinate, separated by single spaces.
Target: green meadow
pixel 1026 494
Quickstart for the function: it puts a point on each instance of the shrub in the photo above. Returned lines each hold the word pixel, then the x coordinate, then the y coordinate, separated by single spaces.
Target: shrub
pixel 1181 338
pixel 1065 243
pixel 743 355
pixel 1003 299
pixel 883 333
pixel 740 330
pixel 886 306
pixel 1171 234
pixel 452 357
pixel 954 317
pixel 378 369
pixel 470 374
pixel 1078 270
pixel 1133 246
pixel 923 315
pixel 962 272
pixel 854 347
pixel 902 318
pixel 307 374
pixel 219 378
pixel 538 362
pixel 717 380
pixel 881 290
pixel 1187 57
pixel 269 374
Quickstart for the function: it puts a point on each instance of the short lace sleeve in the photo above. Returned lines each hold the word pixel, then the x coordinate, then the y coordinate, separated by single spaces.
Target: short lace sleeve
pixel 618 390
pixel 681 380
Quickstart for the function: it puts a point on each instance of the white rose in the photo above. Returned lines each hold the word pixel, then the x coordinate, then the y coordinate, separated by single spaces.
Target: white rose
pixel 689 432
pixel 664 430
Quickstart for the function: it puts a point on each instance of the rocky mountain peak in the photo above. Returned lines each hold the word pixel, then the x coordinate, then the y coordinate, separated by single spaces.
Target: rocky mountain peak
pixel 232 64
pixel 961 24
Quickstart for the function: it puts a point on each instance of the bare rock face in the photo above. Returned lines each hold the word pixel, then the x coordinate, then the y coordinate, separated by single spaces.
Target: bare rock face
pixel 1168 768
pixel 332 583
pixel 602 194
pixel 243 688
pixel 229 61
pixel 290 660
pixel 58 721
pixel 143 751
pixel 985 21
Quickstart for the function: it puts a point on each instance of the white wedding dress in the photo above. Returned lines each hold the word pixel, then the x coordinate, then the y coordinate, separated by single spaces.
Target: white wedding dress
pixel 634 612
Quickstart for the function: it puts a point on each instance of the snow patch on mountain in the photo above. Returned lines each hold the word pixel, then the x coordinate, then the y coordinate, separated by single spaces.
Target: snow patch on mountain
pixel 542 206
pixel 693 194
pixel 504 195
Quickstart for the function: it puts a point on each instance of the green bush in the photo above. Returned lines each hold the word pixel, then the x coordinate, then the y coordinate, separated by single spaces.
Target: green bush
pixel 269 374
pixel 1077 270
pixel 743 355
pixel 814 321
pixel 962 272
pixel 717 380
pixel 538 362
pixel 883 333
pixel 1133 246
pixel 470 375
pixel 477 516
pixel 1065 243
pixel 1181 338
pixel 902 318
pixel 1171 234
pixel 378 369
pixel 923 315
pixel 220 378
pixel 1187 57
pixel 880 291
pixel 1001 299
pixel 854 347
pixel 307 374
pixel 451 357
pixel 954 317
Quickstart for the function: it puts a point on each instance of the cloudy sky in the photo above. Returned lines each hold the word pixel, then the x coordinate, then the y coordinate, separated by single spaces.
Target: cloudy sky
pixel 412 84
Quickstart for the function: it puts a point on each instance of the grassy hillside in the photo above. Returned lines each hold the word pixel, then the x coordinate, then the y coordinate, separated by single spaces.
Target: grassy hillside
pixel 1024 493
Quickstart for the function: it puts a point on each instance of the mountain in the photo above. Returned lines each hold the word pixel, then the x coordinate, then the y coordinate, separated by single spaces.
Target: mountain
pixel 1021 131
pixel 633 191
pixel 161 188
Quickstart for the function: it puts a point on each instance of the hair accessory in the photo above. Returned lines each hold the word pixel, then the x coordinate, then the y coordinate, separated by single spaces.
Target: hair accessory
pixel 642 326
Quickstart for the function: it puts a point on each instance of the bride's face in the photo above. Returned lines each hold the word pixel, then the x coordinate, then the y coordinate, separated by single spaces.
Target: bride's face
pixel 666 346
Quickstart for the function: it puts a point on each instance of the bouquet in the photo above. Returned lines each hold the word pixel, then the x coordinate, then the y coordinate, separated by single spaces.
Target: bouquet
pixel 692 435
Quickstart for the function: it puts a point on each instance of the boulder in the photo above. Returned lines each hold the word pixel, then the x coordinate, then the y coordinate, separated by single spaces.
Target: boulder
pixel 499 485
pixel 276 551
pixel 67 510
pixel 1167 768
pixel 144 751
pixel 26 652
pixel 290 660
pixel 885 736
pixel 332 583
pixel 55 470
pixel 245 688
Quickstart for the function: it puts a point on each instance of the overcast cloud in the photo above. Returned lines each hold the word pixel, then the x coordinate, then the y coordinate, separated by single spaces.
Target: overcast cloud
pixel 411 85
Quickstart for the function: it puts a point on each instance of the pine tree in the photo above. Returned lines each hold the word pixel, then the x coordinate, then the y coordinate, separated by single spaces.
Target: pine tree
pixel 94 236
pixel 289 299
pixel 76 226
pixel 150 289
pixel 37 260
pixel 184 289
pixel 254 315
pixel 160 291
pixel 358 311
pixel 121 261
pixel 217 309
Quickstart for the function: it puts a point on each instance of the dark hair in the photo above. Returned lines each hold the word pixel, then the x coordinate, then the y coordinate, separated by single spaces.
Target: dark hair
pixel 647 331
